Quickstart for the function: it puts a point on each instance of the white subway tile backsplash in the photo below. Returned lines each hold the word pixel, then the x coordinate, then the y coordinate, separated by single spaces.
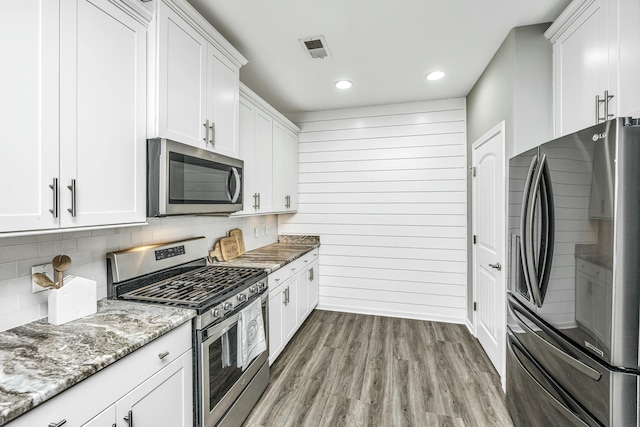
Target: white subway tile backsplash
pixel 92 243
pixel 8 270
pixel 50 248
pixel 19 252
pixel 9 303
pixel 88 249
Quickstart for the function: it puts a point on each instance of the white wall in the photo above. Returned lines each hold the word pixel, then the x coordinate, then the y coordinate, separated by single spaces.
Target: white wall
pixel 88 250
pixel 385 188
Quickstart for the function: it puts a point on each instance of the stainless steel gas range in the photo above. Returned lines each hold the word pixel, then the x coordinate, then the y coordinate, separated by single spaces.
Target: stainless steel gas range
pixel 177 274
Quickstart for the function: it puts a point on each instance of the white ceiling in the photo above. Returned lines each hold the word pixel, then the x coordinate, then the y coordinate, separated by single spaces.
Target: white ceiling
pixel 384 46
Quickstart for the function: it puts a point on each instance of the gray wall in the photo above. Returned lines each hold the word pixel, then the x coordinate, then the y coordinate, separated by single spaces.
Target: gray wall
pixel 517 87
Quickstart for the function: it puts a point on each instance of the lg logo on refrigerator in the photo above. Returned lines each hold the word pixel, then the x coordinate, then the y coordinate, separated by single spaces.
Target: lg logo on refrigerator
pixel 597 136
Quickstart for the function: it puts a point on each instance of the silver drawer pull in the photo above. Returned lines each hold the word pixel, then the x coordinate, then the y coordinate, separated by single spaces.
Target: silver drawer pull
pixel 58 424
pixel 163 355
pixel 277 280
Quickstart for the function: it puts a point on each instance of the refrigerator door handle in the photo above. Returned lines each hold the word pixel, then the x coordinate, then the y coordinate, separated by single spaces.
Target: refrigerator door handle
pixel 532 270
pixel 524 238
pixel 548 230
pixel 587 370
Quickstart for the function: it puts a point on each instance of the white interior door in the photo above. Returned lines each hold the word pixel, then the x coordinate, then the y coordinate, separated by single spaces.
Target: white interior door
pixel 489 248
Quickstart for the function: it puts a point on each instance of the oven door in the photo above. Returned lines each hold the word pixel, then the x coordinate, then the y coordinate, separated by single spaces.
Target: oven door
pixel 221 380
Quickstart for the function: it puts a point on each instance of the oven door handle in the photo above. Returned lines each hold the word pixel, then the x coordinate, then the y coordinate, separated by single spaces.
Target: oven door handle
pixel 223 327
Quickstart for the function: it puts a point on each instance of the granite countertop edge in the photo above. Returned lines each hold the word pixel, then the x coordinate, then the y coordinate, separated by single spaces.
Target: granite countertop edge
pixel 32 374
pixel 274 256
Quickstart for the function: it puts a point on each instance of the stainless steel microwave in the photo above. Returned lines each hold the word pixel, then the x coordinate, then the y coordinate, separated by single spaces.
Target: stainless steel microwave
pixel 183 180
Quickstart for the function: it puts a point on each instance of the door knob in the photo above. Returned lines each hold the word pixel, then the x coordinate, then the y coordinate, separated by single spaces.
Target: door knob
pixel 497 266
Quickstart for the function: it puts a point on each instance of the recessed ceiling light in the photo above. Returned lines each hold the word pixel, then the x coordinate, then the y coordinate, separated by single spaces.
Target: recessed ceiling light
pixel 435 75
pixel 343 84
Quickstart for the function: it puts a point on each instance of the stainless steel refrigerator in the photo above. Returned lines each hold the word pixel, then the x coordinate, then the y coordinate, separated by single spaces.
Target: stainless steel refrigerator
pixel 574 279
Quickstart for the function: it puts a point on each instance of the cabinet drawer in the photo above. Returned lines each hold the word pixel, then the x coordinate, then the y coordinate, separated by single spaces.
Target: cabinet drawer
pixel 309 257
pixel 589 268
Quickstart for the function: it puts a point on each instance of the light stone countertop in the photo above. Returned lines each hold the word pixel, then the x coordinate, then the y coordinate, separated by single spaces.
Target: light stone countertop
pixel 39 360
pixel 273 256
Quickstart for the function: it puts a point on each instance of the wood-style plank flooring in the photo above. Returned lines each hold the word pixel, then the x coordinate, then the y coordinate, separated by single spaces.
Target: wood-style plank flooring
pixel 344 369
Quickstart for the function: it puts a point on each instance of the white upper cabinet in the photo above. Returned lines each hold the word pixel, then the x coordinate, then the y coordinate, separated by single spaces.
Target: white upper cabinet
pixel 29 76
pixel 269 148
pixel 74 99
pixel 193 80
pixel 595 59
pixel 182 71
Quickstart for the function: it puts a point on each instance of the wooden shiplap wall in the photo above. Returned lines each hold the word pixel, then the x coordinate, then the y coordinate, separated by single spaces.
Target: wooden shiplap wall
pixel 385 188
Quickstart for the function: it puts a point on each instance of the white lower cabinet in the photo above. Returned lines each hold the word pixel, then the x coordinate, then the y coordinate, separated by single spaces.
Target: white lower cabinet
pixel 293 291
pixel 143 389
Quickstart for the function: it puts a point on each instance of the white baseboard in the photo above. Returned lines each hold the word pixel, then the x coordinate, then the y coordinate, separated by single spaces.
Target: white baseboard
pixel 389 313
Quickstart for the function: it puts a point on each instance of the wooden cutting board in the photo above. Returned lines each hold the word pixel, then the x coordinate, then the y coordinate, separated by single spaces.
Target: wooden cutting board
pixel 229 248
pixel 237 233
pixel 216 253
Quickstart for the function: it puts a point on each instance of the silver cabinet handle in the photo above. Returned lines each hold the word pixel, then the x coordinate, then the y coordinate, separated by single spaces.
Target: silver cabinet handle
pixel 605 100
pixel 311 275
pixel 163 355
pixel 72 187
pixel 497 266
pixel 213 133
pixel 206 131
pixel 54 186
pixel 277 280
pixel 58 424
pixel 286 295
pixel 129 418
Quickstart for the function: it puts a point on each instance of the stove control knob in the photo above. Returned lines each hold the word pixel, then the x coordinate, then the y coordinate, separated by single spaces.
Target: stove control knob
pixel 215 312
pixel 253 289
pixel 262 286
pixel 242 297
pixel 227 306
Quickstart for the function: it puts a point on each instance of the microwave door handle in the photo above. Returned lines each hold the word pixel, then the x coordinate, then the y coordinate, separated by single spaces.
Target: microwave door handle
pixel 523 224
pixel 236 178
pixel 530 221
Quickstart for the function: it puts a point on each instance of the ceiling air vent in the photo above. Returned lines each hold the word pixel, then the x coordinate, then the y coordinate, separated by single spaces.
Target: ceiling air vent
pixel 316 47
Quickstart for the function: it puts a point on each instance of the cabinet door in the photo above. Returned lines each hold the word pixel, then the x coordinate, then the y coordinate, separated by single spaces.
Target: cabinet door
pixel 102 114
pixel 312 280
pixel 581 70
pixel 278 167
pixel 291 170
pixel 276 323
pixel 29 42
pixel 303 295
pixel 106 418
pixel 247 148
pixel 182 74
pixel 165 399
pixel 290 301
pixel 584 299
pixel 628 16
pixel 263 160
pixel 222 103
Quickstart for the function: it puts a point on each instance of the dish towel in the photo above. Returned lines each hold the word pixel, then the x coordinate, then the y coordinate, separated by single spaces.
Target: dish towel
pixel 251 339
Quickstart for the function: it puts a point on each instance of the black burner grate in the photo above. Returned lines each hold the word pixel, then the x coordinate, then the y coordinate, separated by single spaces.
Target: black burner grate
pixel 204 286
